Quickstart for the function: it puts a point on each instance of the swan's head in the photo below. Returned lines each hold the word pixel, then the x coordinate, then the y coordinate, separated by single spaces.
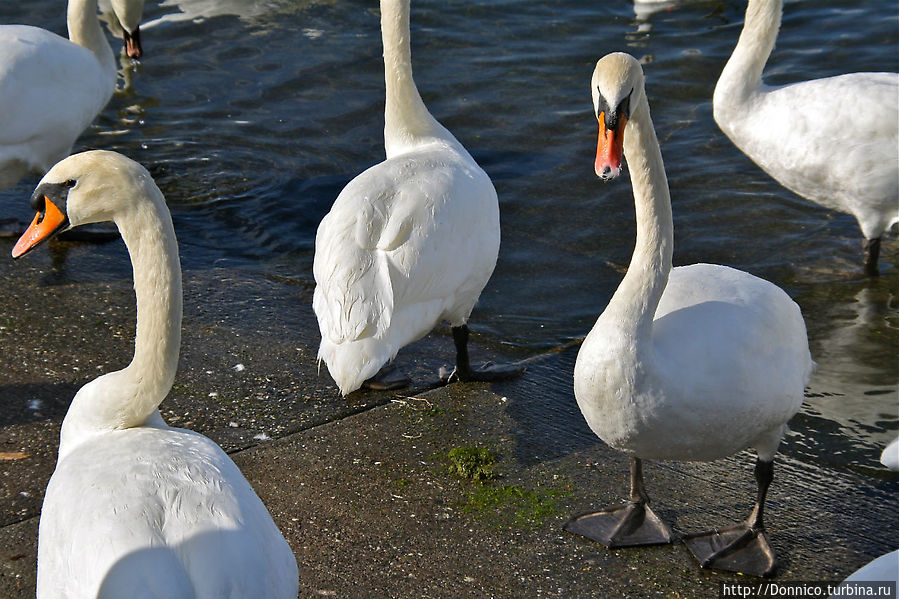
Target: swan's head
pixel 617 86
pixel 125 23
pixel 89 187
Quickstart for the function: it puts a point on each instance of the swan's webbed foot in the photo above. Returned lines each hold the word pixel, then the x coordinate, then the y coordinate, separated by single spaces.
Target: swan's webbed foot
pixel 387 379
pixel 628 525
pixel 488 373
pixel 741 548
pixel 464 372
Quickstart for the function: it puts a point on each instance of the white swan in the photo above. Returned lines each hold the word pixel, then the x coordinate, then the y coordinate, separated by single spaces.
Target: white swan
pixel 690 363
pixel 882 569
pixel 833 141
pixel 136 508
pixel 409 242
pixel 51 88
pixel 123 18
pixel 890 455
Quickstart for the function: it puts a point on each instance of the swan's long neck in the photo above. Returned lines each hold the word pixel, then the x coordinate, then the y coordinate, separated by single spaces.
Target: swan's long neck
pixel 130 397
pixel 406 119
pixel 85 30
pixel 633 306
pixel 742 75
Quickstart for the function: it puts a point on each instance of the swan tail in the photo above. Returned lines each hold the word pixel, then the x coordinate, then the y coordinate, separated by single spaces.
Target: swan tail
pixel 352 363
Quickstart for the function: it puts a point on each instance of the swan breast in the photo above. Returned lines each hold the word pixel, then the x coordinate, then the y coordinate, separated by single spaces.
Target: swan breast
pixel 724 369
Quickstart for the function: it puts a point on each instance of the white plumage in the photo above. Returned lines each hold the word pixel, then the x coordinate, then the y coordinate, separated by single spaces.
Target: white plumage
pixel 409 242
pixel 833 141
pixel 136 508
pixel 51 88
pixel 890 455
pixel 721 367
pixel 686 363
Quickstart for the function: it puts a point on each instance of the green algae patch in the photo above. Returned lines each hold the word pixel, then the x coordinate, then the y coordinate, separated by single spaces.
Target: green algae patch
pixel 472 463
pixel 511 506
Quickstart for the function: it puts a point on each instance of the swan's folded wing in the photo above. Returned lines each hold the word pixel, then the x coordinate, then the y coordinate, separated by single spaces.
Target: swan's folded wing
pixel 42 86
pixel 353 294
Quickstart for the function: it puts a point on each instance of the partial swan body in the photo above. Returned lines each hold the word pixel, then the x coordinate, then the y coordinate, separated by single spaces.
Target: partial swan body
pixel 890 455
pixel 136 508
pixel 833 141
pixel 886 567
pixel 882 569
pixel 409 242
pixel 52 88
pixel 689 363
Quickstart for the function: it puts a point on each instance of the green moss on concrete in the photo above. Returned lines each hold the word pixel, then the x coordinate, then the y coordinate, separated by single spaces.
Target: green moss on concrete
pixel 472 463
pixel 511 506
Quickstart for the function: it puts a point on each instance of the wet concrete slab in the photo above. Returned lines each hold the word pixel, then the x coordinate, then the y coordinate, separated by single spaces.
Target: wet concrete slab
pixel 361 486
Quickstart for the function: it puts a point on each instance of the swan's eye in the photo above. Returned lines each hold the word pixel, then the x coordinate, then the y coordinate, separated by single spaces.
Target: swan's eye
pixel 70 183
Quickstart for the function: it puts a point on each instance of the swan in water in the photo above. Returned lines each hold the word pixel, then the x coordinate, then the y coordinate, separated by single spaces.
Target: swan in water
pixel 833 141
pixel 890 455
pixel 136 508
pixel 408 243
pixel 690 363
pixel 52 88
pixel 123 18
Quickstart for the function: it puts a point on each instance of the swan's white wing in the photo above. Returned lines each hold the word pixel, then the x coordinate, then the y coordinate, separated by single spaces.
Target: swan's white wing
pixel 354 294
pixel 834 141
pixel 157 512
pixel 408 242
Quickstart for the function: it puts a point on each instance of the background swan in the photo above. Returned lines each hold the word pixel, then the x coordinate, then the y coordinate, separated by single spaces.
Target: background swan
pixel 409 242
pixel 136 508
pixel 890 455
pixel 123 18
pixel 52 88
pixel 690 363
pixel 833 141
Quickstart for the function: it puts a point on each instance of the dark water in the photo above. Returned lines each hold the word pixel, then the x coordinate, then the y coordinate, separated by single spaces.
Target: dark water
pixel 253 119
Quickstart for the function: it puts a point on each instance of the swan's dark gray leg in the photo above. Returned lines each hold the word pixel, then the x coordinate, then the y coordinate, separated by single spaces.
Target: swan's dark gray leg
pixel 872 253
pixel 488 372
pixel 743 548
pixel 626 525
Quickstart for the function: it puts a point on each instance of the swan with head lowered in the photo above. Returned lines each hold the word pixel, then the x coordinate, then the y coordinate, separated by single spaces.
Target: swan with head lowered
pixel 52 88
pixel 123 18
pixel 833 141
pixel 408 243
pixel 690 363
pixel 136 508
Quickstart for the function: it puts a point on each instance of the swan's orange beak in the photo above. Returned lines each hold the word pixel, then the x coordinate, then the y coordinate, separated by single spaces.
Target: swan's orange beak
pixel 132 43
pixel 609 148
pixel 44 225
